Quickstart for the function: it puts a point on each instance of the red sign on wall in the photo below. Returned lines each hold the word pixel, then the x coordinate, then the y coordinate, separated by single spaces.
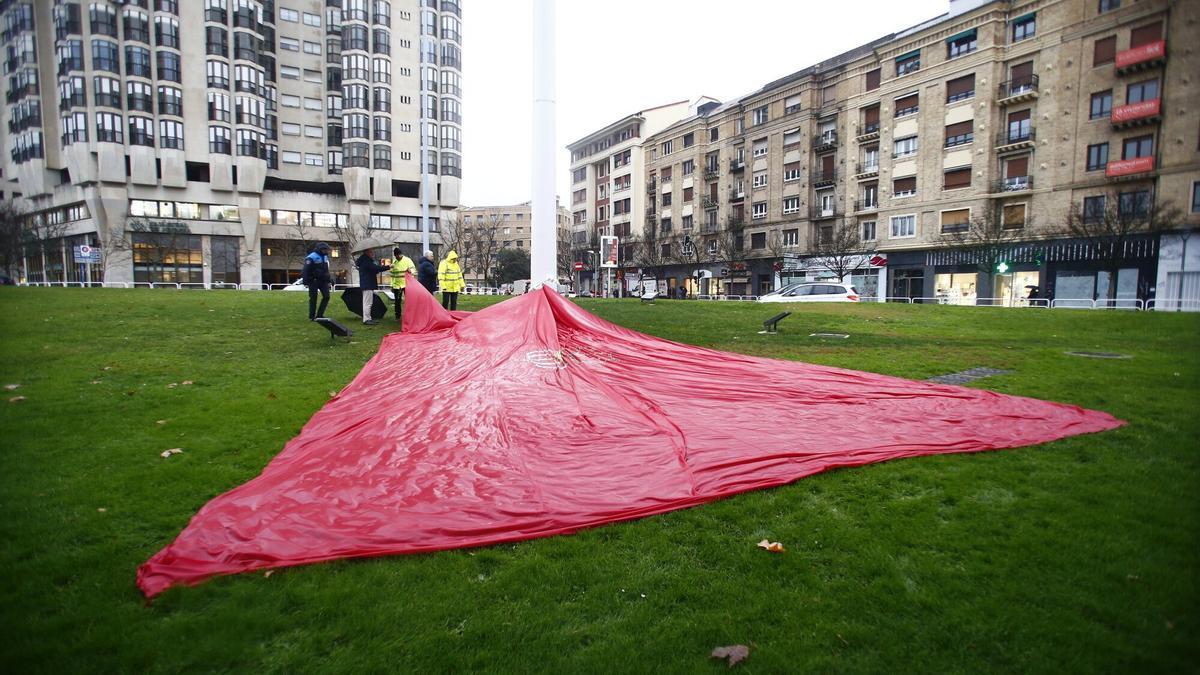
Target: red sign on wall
pixel 1147 52
pixel 1137 111
pixel 1126 167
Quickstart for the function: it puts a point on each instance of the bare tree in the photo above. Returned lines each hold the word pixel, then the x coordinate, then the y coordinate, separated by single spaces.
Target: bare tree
pixel 12 236
pixel 985 239
pixel 562 253
pixel 654 251
pixel 477 245
pixel 1112 230
pixel 157 242
pixel 727 247
pixel 838 248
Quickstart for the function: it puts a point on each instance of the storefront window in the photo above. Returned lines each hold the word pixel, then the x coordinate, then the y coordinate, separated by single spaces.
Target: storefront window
pixel 1014 289
pixel 167 258
pixel 226 257
pixel 956 289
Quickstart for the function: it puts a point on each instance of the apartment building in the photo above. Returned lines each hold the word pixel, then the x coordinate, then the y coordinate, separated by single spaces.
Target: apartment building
pixel 1019 112
pixel 607 176
pixel 492 229
pixel 213 141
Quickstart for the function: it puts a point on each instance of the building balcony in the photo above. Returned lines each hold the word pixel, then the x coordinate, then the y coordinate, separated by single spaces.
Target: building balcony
pixel 650 210
pixel 866 205
pixel 709 202
pixel 1129 167
pixel 712 172
pixel 823 212
pixel 651 184
pixel 825 141
pixel 1011 140
pixel 823 178
pixel 651 217
pixel 1013 184
pixel 1017 90
pixel 1134 114
pixel 737 165
pixel 735 222
pixel 1141 58
pixel 867 132
pixel 736 195
pixel 866 170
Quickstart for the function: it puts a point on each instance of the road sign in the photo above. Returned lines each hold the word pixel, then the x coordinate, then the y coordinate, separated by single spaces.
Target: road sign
pixel 578 266
pixel 87 254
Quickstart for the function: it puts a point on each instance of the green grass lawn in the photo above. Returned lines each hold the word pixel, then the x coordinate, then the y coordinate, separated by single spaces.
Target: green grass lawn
pixel 1079 555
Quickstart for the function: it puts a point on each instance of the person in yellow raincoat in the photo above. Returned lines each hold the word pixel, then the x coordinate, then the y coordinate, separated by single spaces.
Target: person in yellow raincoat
pixel 450 279
pixel 400 264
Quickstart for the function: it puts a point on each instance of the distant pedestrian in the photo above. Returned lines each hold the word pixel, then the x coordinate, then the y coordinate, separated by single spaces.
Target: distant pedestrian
pixel 368 270
pixel 450 280
pixel 315 275
pixel 401 266
pixel 427 272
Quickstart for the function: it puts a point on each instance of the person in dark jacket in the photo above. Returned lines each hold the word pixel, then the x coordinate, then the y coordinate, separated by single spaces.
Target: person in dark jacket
pixel 427 272
pixel 315 275
pixel 368 283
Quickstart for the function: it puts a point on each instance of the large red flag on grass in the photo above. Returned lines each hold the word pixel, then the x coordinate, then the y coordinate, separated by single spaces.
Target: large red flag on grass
pixel 534 417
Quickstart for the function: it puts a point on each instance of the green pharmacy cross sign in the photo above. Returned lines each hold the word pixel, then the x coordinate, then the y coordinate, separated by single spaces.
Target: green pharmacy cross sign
pixel 1002 267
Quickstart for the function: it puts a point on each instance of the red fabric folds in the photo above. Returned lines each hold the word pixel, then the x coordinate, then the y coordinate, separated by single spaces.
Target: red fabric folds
pixel 534 417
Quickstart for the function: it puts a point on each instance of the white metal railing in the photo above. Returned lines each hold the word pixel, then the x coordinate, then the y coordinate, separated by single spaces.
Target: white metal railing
pixel 732 298
pixel 1165 305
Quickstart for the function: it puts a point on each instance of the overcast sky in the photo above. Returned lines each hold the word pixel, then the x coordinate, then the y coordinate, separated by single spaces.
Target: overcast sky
pixel 620 56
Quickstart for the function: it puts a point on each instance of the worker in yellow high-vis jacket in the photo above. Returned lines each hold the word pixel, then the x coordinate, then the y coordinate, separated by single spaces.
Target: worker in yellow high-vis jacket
pixel 450 279
pixel 400 265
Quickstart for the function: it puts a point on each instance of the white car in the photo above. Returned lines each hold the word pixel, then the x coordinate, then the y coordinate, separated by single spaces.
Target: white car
pixel 820 291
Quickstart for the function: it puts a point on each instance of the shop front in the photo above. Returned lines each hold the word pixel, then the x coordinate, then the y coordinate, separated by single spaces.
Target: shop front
pixel 867 273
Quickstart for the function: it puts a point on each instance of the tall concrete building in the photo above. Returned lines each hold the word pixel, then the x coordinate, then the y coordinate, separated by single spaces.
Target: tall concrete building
pixel 1016 112
pixel 209 141
pixel 607 174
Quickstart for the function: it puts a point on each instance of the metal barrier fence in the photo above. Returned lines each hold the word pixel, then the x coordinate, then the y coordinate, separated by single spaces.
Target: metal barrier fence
pixel 1135 304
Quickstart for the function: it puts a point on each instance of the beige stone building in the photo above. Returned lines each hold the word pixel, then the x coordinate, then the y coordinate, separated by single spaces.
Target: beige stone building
pixel 1018 112
pixel 491 229
pixel 213 141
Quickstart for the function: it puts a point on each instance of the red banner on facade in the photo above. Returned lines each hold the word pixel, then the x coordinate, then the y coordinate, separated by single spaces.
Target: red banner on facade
pixel 1126 167
pixel 1146 52
pixel 1137 111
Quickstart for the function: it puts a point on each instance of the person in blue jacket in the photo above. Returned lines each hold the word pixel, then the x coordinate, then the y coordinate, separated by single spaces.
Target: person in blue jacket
pixel 368 282
pixel 427 272
pixel 315 275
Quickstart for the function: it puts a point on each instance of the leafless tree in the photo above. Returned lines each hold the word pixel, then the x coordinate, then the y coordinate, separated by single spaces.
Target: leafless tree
pixel 727 247
pixel 1111 231
pixel 562 253
pixel 12 236
pixel 838 248
pixel 985 240
pixel 478 245
pixel 654 251
pixel 157 242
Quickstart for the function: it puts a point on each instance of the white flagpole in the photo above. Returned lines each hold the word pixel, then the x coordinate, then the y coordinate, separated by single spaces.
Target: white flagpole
pixel 544 254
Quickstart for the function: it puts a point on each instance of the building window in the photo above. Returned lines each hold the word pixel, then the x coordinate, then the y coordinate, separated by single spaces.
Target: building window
pixel 168 67
pixel 760 148
pixel 137 61
pixel 289 44
pixel 713 135
pixel 141 131
pixel 1133 204
pixel 872 79
pixel 759 210
pixel 1013 216
pixel 904 226
pixel 218 74
pixel 907 105
pixel 960 133
pixel 1141 91
pixel 760 116
pixel 313 20
pixel 1109 5
pixel 1101 105
pixel 868 230
pixel 909 63
pixel 109 128
pixel 760 180
pixel 689 167
pixel 1142 146
pixel 955 221
pixel 689 139
pixel 954 179
pixel 791 172
pixel 291 15
pixel 1024 27
pixel 1097 156
pixel 103 20
pixel 170 134
pixel 218 107
pixel 106 56
pixel 1093 209
pixel 960 88
pixel 166 32
pixel 961 44
pixel 138 97
pixel 904 187
pixel 905 147
pixel 791 205
pixel 1104 51
pixel 219 141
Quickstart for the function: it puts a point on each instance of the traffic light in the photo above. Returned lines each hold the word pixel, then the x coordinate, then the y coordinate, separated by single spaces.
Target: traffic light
pixel 1002 267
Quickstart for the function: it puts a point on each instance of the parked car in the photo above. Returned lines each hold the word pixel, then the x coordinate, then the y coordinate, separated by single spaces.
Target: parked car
pixel 822 291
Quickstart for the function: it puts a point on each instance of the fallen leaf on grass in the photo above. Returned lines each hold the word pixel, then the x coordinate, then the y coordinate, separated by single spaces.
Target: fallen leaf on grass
pixel 271 396
pixel 102 509
pixel 268 573
pixel 10 387
pixel 16 399
pixel 332 393
pixel 160 422
pixel 186 382
pixel 167 453
pixel 772 546
pixel 172 385
pixel 108 367
pixel 95 381
pixel 733 653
